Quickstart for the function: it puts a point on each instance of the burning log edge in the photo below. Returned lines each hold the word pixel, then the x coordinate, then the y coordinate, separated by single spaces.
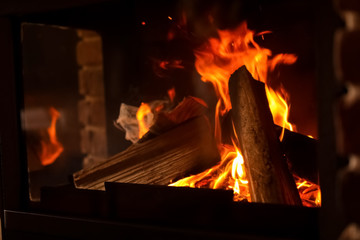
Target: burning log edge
pixel 269 178
pixel 189 148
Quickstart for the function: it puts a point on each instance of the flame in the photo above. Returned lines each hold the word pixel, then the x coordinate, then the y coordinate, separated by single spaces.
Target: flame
pixel 228 174
pixel 51 150
pixel 142 115
pixel 221 56
pixel 174 64
pixel 279 108
pixel 160 67
pixel 310 193
pixel 215 62
pixel 171 94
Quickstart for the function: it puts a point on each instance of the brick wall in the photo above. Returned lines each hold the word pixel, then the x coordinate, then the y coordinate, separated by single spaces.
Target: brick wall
pixel 347 66
pixel 92 105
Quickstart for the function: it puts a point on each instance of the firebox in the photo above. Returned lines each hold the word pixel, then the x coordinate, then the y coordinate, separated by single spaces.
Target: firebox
pixel 168 120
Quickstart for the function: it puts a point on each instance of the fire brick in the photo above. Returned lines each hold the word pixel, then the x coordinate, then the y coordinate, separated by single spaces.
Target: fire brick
pixel 89 52
pixel 92 112
pixel 85 139
pixel 87 33
pixel 98 143
pixel 348 126
pixel 93 141
pixel 350 196
pixel 91 81
pixel 346 54
pixel 90 161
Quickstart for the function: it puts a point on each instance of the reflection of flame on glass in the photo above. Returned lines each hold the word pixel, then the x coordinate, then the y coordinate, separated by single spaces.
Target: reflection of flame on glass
pixel 51 150
pixel 215 62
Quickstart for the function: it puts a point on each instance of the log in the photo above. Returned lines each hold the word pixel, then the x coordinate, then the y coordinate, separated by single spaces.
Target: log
pixel 301 153
pixel 186 149
pixel 188 108
pixel 300 150
pixel 269 178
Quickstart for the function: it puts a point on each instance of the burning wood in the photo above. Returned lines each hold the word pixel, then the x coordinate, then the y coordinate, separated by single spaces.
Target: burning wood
pixel 188 148
pixel 215 61
pixel 267 172
pixel 189 108
pixel 136 121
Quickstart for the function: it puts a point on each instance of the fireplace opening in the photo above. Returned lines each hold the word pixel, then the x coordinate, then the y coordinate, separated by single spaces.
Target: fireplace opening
pixel 84 91
pixel 96 82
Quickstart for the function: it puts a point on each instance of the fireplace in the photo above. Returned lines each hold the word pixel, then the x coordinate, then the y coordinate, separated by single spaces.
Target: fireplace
pixel 101 54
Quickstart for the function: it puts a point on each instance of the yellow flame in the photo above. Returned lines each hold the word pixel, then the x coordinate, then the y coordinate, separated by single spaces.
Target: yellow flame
pixel 141 115
pixel 310 193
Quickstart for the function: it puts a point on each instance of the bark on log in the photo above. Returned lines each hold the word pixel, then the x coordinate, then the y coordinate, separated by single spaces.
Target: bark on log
pixel 186 149
pixel 269 178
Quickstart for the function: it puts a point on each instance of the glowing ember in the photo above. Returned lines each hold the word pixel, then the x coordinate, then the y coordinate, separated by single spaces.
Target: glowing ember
pixel 229 174
pixel 310 193
pixel 215 62
pixel 142 115
pixel 51 150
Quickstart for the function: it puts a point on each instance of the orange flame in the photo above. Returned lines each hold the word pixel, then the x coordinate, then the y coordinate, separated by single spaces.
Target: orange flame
pixel 228 174
pixel 233 49
pixel 174 64
pixel 310 193
pixel 142 115
pixel 215 62
pixel 171 94
pixel 51 150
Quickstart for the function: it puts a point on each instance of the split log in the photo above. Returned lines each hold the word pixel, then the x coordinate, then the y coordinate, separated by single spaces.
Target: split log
pixel 301 153
pixel 188 108
pixel 300 150
pixel 186 149
pixel 269 178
